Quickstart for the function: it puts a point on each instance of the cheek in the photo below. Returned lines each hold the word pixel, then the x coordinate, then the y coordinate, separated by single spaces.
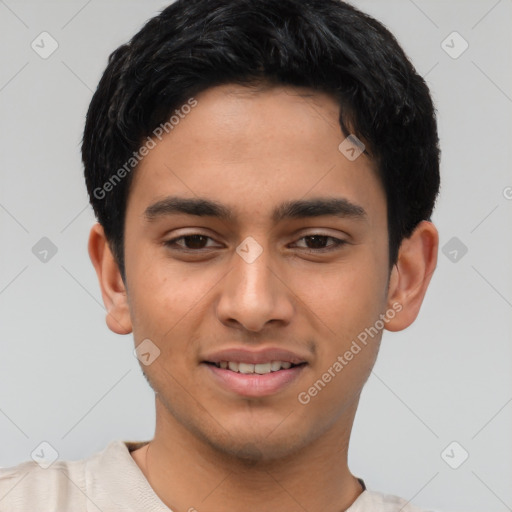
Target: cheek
pixel 346 295
pixel 159 300
pixel 165 309
pixel 348 303
pixel 343 306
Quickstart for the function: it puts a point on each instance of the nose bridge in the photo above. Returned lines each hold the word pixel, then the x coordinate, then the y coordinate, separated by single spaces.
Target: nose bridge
pixel 252 269
pixel 252 295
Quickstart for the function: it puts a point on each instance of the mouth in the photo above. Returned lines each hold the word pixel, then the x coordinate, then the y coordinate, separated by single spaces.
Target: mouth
pixel 254 373
pixel 254 368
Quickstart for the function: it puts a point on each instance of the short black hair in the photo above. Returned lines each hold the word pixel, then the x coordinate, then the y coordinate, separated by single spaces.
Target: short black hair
pixel 325 45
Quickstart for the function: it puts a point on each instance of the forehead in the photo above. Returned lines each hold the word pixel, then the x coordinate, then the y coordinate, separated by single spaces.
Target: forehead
pixel 251 147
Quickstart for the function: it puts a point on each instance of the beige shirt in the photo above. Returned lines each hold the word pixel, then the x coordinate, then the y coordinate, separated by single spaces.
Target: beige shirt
pixel 111 481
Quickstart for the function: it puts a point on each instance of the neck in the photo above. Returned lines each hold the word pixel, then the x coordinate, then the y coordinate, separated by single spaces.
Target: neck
pixel 188 474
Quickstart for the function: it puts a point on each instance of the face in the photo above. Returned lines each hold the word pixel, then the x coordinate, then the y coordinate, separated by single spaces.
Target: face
pixel 253 242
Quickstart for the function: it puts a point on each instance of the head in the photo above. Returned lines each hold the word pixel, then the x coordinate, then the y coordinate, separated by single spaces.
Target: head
pixel 227 122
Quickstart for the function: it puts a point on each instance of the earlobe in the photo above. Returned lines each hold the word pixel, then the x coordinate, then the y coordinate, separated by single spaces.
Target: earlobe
pixel 113 289
pixel 410 277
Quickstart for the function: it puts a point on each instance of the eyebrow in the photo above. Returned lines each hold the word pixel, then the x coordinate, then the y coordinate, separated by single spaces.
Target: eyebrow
pixel 297 209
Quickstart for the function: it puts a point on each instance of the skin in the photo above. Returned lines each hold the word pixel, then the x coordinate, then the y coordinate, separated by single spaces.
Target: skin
pixel 252 150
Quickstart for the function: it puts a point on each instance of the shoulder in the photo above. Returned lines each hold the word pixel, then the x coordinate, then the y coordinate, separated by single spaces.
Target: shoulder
pixel 372 500
pixel 28 486
pixel 76 485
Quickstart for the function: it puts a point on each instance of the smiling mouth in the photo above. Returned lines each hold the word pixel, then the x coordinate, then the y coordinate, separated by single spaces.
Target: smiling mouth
pixel 257 369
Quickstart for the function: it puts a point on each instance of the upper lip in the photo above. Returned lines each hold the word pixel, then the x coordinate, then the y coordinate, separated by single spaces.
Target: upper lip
pixel 243 355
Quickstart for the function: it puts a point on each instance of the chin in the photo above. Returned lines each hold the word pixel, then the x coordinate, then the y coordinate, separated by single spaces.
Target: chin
pixel 255 452
pixel 258 448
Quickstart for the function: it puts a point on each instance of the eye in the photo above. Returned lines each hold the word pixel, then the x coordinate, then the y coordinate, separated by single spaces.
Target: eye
pixel 317 242
pixel 196 242
pixel 192 242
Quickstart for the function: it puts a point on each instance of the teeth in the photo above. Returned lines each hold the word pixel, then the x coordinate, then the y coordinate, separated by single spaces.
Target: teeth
pixel 260 368
pixel 275 365
pixel 245 368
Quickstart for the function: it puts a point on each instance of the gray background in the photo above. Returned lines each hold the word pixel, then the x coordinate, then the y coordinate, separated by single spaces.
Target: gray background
pixel 66 379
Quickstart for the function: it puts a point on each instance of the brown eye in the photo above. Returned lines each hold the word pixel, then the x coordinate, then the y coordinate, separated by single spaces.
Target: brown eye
pixel 190 242
pixel 318 242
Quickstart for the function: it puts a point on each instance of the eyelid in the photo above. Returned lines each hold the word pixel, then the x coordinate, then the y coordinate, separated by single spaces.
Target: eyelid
pixel 338 242
pixel 172 241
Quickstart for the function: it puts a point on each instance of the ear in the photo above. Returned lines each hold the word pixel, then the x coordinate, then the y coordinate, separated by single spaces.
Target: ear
pixel 410 277
pixel 113 289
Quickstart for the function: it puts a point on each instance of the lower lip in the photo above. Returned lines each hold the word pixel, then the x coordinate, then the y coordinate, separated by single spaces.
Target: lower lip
pixel 253 384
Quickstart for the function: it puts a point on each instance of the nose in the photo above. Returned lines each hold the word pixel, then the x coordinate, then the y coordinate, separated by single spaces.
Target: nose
pixel 254 293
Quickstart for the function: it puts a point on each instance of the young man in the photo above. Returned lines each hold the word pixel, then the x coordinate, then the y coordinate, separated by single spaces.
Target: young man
pixel 263 173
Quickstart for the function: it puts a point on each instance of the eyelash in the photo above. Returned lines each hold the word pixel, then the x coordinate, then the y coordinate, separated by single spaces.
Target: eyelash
pixel 337 243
